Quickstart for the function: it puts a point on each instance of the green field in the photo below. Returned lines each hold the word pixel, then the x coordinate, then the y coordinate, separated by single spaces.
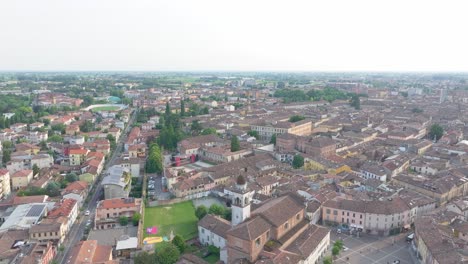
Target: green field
pixel 178 217
pixel 105 108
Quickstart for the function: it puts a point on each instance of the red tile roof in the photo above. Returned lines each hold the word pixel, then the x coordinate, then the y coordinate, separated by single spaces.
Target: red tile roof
pixel 22 173
pixel 64 208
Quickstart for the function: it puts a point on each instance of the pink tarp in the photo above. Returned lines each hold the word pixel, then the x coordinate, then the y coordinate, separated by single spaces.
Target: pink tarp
pixel 152 230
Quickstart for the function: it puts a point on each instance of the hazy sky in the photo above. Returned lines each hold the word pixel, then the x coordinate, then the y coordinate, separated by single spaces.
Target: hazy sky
pixel 245 35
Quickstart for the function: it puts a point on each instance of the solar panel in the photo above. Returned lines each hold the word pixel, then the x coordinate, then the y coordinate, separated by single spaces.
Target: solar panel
pixel 36 210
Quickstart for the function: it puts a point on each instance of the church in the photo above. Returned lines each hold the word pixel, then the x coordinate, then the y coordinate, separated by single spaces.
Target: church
pixel 275 232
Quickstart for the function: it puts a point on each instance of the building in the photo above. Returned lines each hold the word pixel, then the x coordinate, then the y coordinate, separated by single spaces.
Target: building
pixel 118 183
pixel 5 185
pixel 212 230
pixel 266 130
pixel 274 232
pixel 77 156
pixel 24 216
pixel 77 190
pixel 385 217
pixel 109 211
pixel 91 252
pixel 21 179
pixel 67 208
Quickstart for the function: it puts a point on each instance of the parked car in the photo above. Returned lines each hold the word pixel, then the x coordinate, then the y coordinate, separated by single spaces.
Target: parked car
pixel 87 212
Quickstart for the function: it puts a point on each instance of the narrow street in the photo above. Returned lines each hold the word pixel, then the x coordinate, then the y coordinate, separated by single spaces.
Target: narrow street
pixel 77 231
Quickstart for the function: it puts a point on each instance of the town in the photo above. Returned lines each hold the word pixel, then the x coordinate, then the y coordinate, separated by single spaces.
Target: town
pixel 233 168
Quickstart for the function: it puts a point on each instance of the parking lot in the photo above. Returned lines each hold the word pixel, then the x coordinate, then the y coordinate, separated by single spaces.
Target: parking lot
pixel 374 249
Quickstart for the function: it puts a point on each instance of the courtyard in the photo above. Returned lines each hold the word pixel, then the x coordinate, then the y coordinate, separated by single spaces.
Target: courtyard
pixel 373 249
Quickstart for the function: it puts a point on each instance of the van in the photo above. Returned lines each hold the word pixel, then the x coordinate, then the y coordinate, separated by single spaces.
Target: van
pixel 410 237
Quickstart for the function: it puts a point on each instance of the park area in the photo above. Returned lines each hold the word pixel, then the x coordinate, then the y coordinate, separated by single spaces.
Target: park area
pixel 179 218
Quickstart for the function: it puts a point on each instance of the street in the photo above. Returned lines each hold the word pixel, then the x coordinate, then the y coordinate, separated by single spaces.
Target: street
pixel 77 231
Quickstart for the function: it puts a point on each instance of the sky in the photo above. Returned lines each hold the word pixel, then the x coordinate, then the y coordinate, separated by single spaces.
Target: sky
pixel 235 35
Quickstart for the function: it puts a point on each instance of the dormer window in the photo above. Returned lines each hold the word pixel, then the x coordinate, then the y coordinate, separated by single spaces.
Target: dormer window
pixel 257 242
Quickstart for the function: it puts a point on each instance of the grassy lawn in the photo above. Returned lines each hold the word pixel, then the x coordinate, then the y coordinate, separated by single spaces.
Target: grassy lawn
pixel 179 217
pixel 105 108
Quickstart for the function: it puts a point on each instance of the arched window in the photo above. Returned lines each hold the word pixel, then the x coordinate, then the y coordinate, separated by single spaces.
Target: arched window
pixel 238 201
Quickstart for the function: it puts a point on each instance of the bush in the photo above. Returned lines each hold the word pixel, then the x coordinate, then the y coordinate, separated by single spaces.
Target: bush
pixel 179 242
pixel 201 211
pixel 123 220
pixel 136 219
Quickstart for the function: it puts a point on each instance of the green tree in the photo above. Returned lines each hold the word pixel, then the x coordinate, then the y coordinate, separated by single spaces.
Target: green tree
pixel 235 146
pixel 53 189
pixel 417 110
pixel 339 244
pixel 201 211
pixel 123 220
pixel 55 138
pixel 59 127
pixel 355 102
pixel 169 254
pixel 179 242
pixel 43 145
pixel 273 139
pixel 182 108
pixel 216 209
pixel 168 109
pixel 7 144
pixel 335 251
pixel 436 132
pixel 254 134
pixel 6 156
pixel 298 162
pixel 280 85
pixel 87 126
pixel 145 258
pixel 208 131
pixel 87 100
pixel 326 260
pixel 195 127
pixel 35 169
pixel 71 177
pixel 136 219
pixel 296 118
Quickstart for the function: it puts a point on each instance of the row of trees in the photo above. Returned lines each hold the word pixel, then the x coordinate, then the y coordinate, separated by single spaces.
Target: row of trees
pixel 215 209
pixel 154 161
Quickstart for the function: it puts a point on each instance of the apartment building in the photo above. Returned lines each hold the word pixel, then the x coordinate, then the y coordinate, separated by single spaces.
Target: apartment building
pixel 109 211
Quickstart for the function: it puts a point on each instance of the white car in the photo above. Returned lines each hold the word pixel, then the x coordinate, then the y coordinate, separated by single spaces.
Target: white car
pixel 87 212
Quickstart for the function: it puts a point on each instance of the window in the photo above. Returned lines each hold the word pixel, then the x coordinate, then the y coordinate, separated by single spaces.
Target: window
pixel 203 231
pixel 335 212
pixel 286 226
pixel 354 215
pixel 342 213
pixel 328 211
pixel 298 216
pixel 257 242
pixel 360 216
pixel 347 213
